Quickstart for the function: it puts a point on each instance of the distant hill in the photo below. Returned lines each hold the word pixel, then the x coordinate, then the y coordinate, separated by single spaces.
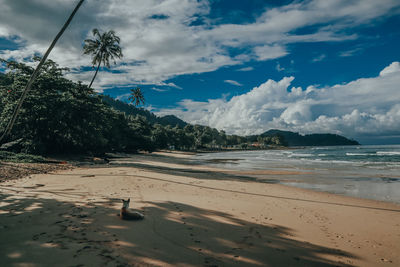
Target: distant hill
pixel 296 139
pixel 132 110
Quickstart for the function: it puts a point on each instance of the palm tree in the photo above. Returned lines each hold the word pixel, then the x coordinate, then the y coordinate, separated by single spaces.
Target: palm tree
pixel 136 96
pixel 102 48
pixel 36 73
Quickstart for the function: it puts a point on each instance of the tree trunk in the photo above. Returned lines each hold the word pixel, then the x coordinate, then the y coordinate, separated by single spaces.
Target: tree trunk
pixel 95 74
pixel 36 73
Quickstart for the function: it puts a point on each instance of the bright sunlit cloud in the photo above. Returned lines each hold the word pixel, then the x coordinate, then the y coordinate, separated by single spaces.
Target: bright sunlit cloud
pixel 361 107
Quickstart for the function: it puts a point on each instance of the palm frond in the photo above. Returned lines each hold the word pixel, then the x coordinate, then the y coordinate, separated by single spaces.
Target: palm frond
pixel 103 48
pixel 136 96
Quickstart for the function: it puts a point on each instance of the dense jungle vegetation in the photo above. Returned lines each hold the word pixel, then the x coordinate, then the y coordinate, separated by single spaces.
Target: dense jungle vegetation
pixel 61 116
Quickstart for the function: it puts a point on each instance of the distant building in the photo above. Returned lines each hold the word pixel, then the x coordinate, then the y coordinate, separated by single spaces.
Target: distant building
pixel 255 144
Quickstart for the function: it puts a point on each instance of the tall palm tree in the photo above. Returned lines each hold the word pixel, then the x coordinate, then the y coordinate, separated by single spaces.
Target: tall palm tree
pixel 36 73
pixel 103 47
pixel 136 96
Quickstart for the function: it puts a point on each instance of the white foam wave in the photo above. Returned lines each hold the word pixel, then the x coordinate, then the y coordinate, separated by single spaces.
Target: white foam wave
pixel 300 155
pixel 388 153
pixel 358 154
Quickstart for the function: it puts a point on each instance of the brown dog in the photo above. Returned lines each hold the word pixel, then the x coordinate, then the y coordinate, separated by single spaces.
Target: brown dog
pixel 126 214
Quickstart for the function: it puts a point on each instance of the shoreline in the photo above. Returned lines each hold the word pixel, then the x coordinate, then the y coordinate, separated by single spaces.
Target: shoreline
pixel 318 172
pixel 194 215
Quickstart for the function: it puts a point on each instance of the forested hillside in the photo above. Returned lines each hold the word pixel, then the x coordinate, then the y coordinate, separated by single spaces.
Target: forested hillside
pixel 295 139
pixel 132 110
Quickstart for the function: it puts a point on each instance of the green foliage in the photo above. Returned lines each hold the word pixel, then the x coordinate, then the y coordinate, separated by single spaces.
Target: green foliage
pixel 295 139
pixel 136 96
pixel 61 116
pixel 20 157
pixel 103 48
pixel 150 117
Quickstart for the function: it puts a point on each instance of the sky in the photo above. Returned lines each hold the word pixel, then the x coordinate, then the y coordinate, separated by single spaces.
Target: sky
pixel 315 66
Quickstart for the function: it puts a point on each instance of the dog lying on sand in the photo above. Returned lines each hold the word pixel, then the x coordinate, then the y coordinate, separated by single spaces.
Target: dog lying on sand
pixel 126 214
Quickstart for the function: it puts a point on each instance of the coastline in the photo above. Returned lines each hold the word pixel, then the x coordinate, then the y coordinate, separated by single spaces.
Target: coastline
pixel 371 172
pixel 194 215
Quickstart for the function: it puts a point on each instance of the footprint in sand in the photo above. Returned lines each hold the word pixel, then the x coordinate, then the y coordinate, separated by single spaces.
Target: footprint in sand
pixel 258 234
pixel 208 261
pixel 37 236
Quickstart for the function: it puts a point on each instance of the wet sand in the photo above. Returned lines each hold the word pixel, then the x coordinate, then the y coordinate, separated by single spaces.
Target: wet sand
pixel 195 215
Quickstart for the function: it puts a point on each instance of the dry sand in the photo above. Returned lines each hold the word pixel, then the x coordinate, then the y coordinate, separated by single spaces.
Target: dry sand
pixel 194 216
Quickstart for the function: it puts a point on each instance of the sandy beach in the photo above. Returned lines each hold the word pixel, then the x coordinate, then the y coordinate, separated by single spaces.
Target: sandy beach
pixel 195 215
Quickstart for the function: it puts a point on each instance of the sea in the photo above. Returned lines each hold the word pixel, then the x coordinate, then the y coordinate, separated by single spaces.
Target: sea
pixel 371 172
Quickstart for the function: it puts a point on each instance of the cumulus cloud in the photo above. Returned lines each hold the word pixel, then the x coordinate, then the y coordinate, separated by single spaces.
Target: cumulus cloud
pixel 366 106
pixel 160 39
pixel 392 68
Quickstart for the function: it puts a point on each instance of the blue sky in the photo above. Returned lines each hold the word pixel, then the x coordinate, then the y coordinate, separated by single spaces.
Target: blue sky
pixel 241 66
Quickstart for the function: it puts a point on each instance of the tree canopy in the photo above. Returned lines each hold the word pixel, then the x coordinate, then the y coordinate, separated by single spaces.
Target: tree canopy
pixel 103 48
pixel 62 116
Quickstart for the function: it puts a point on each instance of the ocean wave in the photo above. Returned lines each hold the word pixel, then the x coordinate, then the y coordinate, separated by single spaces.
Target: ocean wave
pixel 359 154
pixel 378 153
pixel 388 153
pixel 300 155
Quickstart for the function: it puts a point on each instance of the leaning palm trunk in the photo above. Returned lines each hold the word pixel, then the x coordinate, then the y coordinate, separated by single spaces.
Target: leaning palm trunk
pixel 95 74
pixel 36 73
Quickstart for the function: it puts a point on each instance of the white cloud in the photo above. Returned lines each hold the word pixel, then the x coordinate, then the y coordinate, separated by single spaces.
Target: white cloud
pixel 233 82
pixel 392 68
pixel 246 69
pixel 267 52
pixel 319 58
pixel 156 50
pixel 278 67
pixel 350 53
pixel 367 106
pixel 172 85
pixel 158 89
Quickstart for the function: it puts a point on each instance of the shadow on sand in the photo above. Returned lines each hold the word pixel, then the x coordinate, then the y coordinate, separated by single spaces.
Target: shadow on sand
pixel 37 231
